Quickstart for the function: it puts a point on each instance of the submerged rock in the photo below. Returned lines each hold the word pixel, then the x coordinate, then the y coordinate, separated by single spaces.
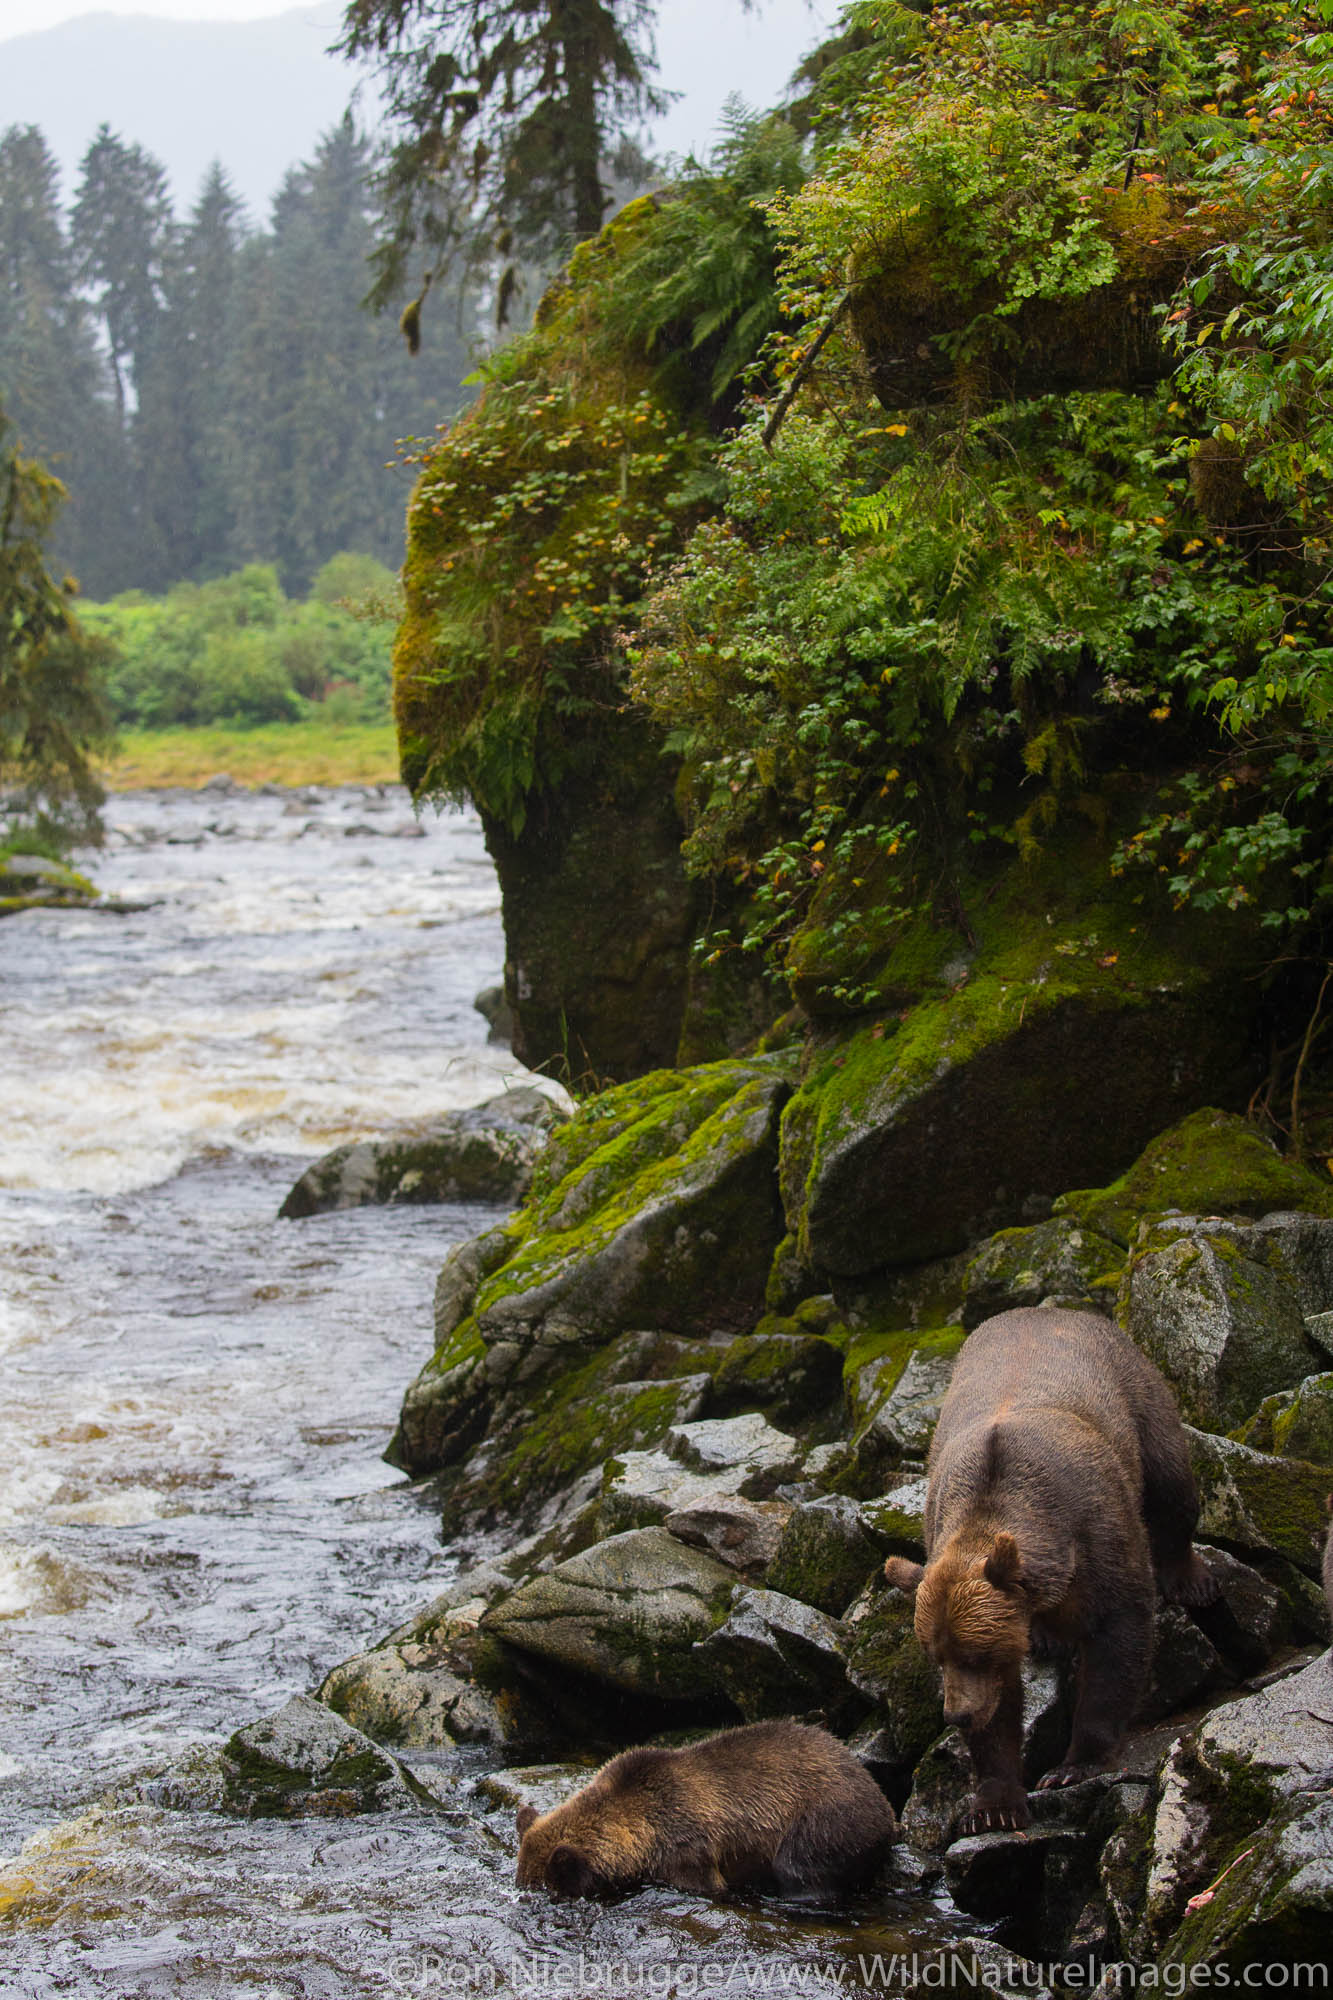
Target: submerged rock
pixel 485 1153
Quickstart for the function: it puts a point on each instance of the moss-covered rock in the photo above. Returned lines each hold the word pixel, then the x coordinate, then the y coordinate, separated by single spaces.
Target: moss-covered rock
pixel 895 1384
pixel 655 1207
pixel 32 882
pixel 1297 1423
pixel 1255 1505
pixel 825 1555
pixel 887 1662
pixel 629 1611
pixel 1223 1329
pixel 1064 1047
pixel 1211 1163
pixel 670 1222
pixel 484 1153
pixel 1057 1259
pixel 793 1376
pixel 305 1759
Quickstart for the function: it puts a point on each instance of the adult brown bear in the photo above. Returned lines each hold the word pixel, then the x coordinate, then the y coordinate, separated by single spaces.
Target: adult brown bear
pixel 776 1805
pixel 1059 1482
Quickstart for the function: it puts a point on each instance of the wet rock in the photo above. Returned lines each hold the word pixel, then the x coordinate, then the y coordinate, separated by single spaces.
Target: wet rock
pixel 743 1534
pixel 643 1489
pixel 305 1759
pixel 1246 1622
pixel 1185 1665
pixel 1297 1423
pixel 941 1784
pixel 1212 1163
pixel 485 1153
pixel 628 1611
pixel 995 1969
pixel 1224 1329
pixel 497 1013
pixel 1057 1259
pixel 775 1656
pixel 992 1875
pixel 754 1455
pixel 1298 1248
pixel 417 1689
pixel 1255 1505
pixel 1254 1774
pixel 826 1554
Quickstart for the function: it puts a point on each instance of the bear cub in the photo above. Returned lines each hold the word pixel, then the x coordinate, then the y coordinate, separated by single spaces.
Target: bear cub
pixel 1059 1498
pixel 775 1806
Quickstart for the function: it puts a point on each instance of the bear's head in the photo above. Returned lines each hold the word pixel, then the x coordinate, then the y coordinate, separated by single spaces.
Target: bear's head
pixel 974 1618
pixel 551 1857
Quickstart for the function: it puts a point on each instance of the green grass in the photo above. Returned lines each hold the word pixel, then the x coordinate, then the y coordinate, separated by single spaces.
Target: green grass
pixel 281 753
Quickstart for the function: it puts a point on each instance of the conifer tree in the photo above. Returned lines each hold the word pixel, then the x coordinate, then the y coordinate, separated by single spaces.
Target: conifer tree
pixel 507 118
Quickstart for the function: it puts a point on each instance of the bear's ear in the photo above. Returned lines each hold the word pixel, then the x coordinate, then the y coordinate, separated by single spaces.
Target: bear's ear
pixel 527 1816
pixel 568 1873
pixel 905 1575
pixel 1004 1565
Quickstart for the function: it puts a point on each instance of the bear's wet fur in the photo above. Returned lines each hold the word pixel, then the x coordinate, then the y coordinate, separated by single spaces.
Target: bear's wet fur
pixel 1059 1498
pixel 776 1806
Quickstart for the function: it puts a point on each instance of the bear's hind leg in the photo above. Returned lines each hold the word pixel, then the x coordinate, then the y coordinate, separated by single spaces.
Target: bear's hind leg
pixel 1170 1514
pixel 1112 1673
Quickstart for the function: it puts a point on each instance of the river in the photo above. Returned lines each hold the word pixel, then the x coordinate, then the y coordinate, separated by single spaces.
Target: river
pixel 195 1520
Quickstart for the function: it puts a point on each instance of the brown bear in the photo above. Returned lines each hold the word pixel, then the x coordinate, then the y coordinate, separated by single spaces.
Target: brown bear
pixel 1058 1483
pixel 776 1806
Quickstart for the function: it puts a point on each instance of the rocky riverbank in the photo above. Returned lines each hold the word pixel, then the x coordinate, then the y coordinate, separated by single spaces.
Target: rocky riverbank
pixel 691 1452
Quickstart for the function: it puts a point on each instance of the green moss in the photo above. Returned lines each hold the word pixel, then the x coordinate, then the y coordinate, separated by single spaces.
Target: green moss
pixel 463 1347
pixel 704 1121
pixel 1297 1423
pixel 1211 1163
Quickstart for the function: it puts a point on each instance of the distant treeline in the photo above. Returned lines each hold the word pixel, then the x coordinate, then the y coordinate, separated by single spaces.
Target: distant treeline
pixel 237 650
pixel 210 394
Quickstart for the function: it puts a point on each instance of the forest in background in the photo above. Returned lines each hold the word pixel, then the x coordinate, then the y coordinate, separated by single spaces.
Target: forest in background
pixel 210 396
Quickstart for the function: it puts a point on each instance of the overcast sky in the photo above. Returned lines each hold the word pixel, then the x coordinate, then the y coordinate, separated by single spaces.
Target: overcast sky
pixel 707 50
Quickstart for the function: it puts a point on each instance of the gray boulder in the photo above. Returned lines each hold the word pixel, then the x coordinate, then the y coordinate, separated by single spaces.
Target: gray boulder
pixel 305 1759
pixel 775 1656
pixel 1224 1329
pixel 485 1153
pixel 1258 1506
pixel 1249 1788
pixel 628 1611
pixel 747 1449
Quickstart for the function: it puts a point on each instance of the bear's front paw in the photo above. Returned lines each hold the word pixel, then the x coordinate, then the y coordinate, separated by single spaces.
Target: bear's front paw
pixel 1011 1817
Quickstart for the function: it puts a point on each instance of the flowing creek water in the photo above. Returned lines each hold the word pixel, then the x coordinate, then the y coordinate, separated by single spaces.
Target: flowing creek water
pixel 195 1521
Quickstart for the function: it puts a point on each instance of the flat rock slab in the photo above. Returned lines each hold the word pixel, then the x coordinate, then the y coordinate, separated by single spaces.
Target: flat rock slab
pixel 628 1611
pixel 755 1455
pixel 743 1534
pixel 485 1153
pixel 776 1656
